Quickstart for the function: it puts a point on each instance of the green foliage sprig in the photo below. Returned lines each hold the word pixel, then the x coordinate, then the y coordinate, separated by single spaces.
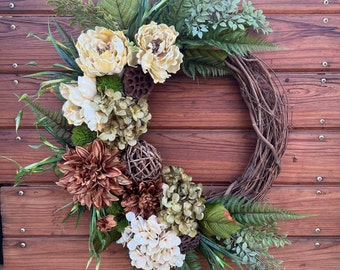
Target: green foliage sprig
pixel 251 245
pixel 256 213
pixel 53 121
pixel 209 15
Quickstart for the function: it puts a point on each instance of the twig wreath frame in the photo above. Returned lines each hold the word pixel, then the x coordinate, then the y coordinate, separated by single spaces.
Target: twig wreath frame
pixel 157 211
pixel 268 113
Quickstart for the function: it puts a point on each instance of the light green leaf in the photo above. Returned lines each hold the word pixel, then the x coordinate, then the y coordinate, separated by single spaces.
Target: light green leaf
pixel 18 120
pixel 217 222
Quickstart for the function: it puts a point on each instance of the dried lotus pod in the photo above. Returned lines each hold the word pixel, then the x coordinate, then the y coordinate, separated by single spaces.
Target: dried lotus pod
pixel 137 84
pixel 143 162
pixel 189 243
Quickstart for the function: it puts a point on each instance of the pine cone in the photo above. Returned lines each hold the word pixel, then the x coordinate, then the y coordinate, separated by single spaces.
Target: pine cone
pixel 189 243
pixel 136 83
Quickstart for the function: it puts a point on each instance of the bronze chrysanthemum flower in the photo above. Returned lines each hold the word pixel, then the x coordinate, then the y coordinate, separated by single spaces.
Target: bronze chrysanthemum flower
pixel 93 174
pixel 142 198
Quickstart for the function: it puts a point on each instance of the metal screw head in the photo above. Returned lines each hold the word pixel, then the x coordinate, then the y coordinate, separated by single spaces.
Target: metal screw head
pixel 319 179
pixel 22 244
pixel 321 137
pixel 22 230
pixel 21 193
pixel 18 138
pixel 15 82
pixel 325 20
pixel 324 63
pixel 11 5
pixel 326 2
pixel 322 121
pixel 14 65
pixel 13 27
pixel 317 244
pixel 317 230
pixel 318 192
pixel 323 80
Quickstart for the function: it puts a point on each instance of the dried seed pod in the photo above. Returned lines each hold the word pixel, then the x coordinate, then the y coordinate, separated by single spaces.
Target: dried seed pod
pixel 137 84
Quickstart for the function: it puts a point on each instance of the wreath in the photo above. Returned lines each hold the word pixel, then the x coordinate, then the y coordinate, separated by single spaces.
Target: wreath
pixel 134 199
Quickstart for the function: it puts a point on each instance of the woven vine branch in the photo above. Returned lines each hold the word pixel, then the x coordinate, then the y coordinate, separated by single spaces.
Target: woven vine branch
pixel 268 113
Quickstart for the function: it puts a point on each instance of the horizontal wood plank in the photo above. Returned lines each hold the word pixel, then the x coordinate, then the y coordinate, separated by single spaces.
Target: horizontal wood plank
pixel 213 103
pixel 38 211
pixel 268 6
pixel 210 157
pixel 69 254
pixel 295 33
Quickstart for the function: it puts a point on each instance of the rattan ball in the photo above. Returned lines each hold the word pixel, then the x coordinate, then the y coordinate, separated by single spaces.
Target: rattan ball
pixel 143 162
pixel 136 83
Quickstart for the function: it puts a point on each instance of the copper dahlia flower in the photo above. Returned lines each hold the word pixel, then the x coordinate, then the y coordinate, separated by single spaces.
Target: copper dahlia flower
pixel 93 174
pixel 142 198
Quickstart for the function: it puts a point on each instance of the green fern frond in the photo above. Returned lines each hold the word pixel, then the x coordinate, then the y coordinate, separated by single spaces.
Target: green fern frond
pixel 205 62
pixel 256 213
pixel 83 13
pixel 53 121
pixel 231 43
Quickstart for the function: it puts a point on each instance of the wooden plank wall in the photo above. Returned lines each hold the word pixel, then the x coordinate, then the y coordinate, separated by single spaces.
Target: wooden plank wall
pixel 202 126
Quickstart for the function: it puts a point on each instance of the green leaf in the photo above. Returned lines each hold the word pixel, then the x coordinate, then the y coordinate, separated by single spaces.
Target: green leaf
pixel 65 53
pixel 121 11
pixel 191 262
pixel 217 223
pixel 54 122
pixel 18 120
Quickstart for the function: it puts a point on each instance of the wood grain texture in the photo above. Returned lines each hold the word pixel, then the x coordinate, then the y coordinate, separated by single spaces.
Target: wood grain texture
pixel 268 6
pixel 70 253
pixel 293 32
pixel 39 211
pixel 218 156
pixel 212 103
pixel 201 125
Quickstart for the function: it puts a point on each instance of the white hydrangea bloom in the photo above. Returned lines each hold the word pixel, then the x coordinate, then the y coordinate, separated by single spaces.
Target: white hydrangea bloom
pixel 151 245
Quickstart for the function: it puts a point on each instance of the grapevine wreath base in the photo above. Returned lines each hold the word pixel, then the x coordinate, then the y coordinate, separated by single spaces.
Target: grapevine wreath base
pixel 269 117
pixel 155 210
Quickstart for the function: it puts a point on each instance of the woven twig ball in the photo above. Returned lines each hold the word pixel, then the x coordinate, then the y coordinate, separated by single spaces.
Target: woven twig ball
pixel 189 243
pixel 136 83
pixel 143 162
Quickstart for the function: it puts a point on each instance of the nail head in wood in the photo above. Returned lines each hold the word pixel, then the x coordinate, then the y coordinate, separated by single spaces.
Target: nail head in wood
pixel 319 179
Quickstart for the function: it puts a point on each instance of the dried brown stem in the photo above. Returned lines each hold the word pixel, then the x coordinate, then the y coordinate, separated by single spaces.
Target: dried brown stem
pixel 268 113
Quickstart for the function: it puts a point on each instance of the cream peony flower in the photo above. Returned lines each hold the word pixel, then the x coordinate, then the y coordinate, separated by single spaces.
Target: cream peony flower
pixel 80 106
pixel 157 54
pixel 102 52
